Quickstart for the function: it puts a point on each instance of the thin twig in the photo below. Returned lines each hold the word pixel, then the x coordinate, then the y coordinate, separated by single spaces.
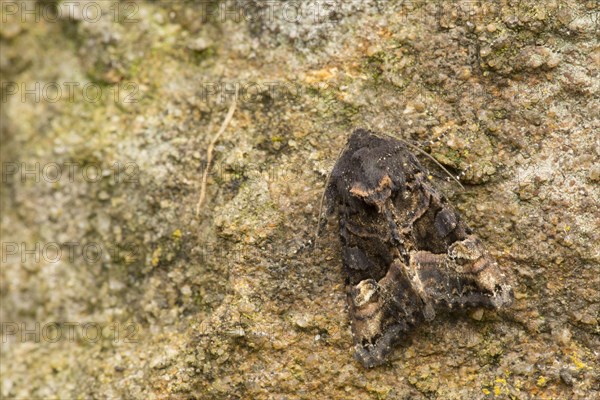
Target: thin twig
pixel 209 152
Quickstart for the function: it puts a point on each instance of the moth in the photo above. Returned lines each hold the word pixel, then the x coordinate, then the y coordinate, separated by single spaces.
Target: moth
pixel 407 253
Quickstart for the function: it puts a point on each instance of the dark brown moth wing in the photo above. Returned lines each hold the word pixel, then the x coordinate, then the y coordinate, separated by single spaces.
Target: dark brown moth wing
pixel 406 251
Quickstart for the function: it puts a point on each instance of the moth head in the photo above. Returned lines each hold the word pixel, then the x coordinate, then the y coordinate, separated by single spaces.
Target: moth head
pixel 377 195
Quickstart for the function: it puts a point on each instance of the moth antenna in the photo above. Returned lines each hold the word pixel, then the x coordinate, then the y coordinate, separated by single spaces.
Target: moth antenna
pixel 412 146
pixel 318 229
pixel 464 172
pixel 437 139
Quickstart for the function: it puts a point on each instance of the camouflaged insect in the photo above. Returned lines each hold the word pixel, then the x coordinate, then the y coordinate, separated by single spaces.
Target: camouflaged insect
pixel 406 251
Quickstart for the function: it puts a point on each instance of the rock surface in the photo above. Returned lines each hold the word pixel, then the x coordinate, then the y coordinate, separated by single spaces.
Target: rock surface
pixel 105 128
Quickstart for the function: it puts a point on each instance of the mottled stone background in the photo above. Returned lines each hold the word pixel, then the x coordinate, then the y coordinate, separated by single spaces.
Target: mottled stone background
pixel 122 99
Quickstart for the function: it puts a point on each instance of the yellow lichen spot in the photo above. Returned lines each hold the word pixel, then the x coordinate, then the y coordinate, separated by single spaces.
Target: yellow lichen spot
pixel 156 256
pixel 500 387
pixel 176 234
pixel 578 363
pixel 541 381
pixel 485 391
pixel 429 177
pixel 567 228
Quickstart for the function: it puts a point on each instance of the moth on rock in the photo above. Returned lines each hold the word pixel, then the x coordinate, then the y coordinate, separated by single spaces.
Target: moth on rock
pixel 406 251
